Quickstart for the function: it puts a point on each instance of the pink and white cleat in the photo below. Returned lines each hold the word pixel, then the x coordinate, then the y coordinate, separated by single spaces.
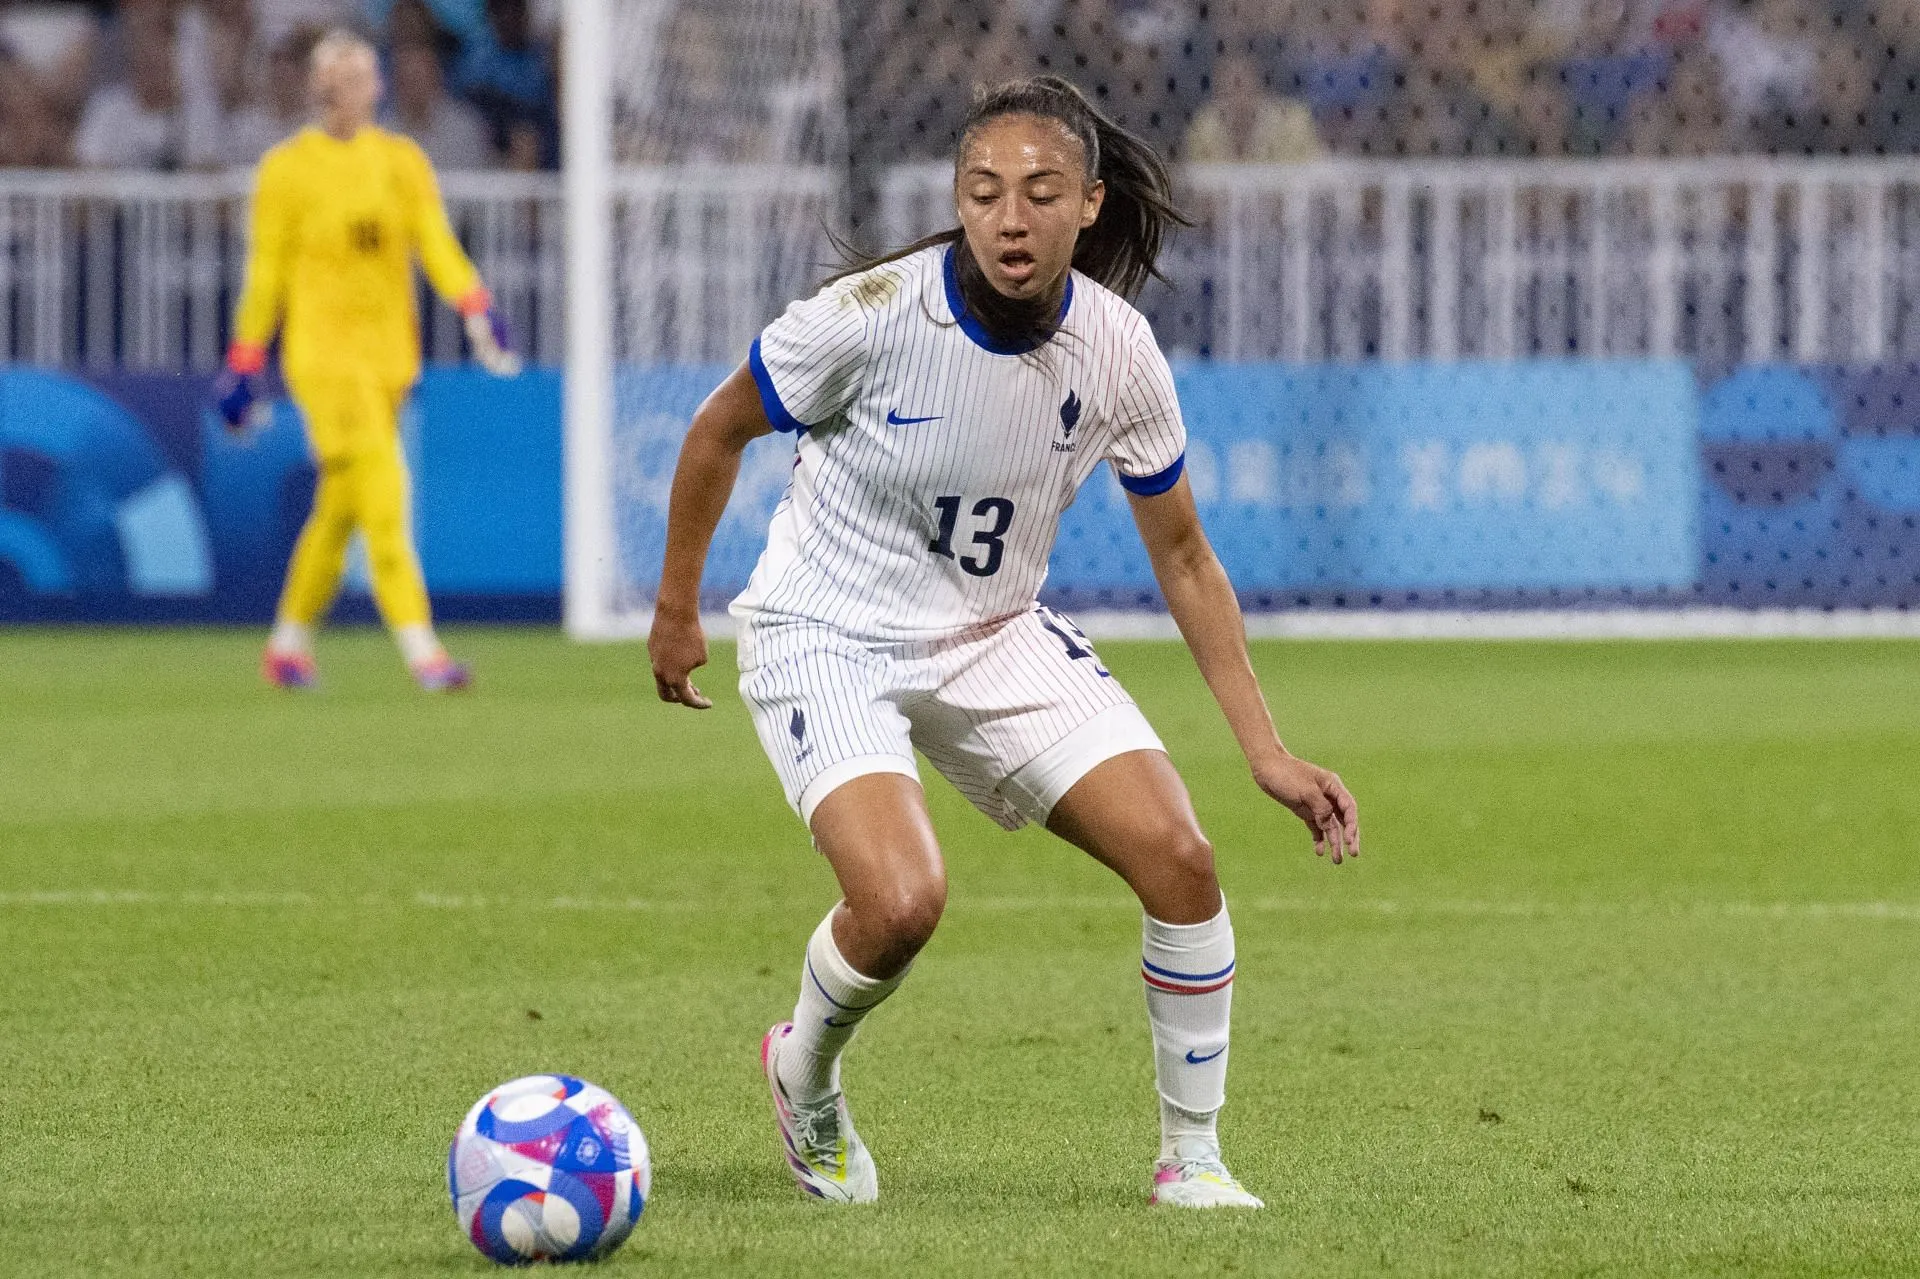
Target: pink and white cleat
pixel 443 675
pixel 1195 1178
pixel 824 1153
pixel 289 670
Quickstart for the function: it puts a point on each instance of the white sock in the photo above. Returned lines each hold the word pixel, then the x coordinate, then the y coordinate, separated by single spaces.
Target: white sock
pixel 1188 969
pixel 418 644
pixel 294 639
pixel 833 1001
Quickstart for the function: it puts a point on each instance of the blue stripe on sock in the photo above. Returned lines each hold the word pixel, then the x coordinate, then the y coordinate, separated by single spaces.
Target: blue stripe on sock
pixel 1168 972
pixel 845 1008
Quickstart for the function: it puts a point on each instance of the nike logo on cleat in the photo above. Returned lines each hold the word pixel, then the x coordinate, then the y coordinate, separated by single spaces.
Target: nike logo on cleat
pixel 1195 1061
pixel 894 418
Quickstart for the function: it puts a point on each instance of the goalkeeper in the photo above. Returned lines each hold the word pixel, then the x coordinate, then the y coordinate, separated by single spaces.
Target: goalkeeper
pixel 339 214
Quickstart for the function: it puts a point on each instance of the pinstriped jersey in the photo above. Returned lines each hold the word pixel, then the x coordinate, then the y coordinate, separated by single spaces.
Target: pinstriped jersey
pixel 934 462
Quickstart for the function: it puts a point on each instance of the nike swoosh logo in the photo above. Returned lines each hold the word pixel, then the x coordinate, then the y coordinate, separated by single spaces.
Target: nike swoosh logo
pixel 1195 1061
pixel 842 1025
pixel 894 418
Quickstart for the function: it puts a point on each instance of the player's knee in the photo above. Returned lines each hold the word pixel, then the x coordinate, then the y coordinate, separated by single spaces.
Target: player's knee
pixel 1187 856
pixel 904 915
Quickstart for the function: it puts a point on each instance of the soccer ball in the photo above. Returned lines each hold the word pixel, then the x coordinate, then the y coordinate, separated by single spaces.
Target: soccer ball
pixel 548 1168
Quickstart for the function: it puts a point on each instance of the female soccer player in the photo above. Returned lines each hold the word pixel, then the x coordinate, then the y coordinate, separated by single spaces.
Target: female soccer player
pixel 339 214
pixel 949 400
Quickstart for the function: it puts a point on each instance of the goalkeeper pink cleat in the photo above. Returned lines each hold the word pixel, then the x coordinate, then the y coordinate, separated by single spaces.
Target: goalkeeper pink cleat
pixel 288 670
pixel 443 675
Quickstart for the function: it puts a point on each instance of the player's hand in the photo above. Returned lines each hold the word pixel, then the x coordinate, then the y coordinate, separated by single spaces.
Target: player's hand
pixel 492 342
pixel 1317 797
pixel 237 397
pixel 677 647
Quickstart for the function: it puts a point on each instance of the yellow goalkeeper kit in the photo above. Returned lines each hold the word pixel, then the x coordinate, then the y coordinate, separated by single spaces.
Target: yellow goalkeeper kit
pixel 336 226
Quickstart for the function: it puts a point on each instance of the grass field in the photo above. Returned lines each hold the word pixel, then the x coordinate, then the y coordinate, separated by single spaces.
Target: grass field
pixel 1627 981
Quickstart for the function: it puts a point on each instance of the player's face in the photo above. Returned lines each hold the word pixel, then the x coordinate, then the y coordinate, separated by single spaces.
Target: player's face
pixel 347 87
pixel 1024 198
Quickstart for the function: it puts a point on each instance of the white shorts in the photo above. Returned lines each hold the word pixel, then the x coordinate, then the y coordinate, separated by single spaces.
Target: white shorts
pixel 1013 715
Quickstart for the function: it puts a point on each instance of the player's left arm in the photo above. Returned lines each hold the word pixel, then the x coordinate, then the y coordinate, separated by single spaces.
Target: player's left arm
pixel 452 273
pixel 1204 607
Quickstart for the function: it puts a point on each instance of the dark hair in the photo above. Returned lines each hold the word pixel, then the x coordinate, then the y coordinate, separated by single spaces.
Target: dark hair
pixel 1122 247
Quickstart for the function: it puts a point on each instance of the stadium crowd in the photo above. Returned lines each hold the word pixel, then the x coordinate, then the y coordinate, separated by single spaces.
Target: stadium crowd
pixel 204 84
pixel 1280 80
pixel 165 85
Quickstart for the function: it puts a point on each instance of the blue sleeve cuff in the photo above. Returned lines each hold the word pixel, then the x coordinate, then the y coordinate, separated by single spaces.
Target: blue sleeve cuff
pixel 1155 484
pixel 769 398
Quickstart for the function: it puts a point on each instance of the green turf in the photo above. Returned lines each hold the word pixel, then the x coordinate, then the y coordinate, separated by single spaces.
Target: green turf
pixel 1627 982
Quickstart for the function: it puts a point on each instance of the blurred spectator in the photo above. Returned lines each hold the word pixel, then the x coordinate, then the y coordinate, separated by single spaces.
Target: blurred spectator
pixel 452 133
pixel 1768 63
pixel 56 44
pixel 138 123
pixel 218 74
pixel 276 20
pixel 278 109
pixel 1612 62
pixel 916 66
pixel 1337 55
pixel 1244 122
pixel 1891 78
pixel 1474 86
pixel 698 114
pixel 1687 117
pixel 32 134
pixel 509 75
pixel 413 22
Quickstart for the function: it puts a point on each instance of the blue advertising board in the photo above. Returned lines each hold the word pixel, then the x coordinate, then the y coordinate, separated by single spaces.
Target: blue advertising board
pixel 1377 478
pixel 1542 484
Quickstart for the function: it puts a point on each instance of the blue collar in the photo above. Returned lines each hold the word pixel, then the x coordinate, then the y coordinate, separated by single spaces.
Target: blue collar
pixel 977 331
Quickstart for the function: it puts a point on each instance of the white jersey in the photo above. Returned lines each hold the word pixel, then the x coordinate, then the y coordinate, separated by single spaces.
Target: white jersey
pixel 933 463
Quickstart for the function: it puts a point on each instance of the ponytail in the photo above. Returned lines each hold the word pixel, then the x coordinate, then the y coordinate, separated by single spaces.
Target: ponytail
pixel 1120 250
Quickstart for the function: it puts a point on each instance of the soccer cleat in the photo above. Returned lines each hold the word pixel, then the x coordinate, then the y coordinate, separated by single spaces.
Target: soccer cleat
pixel 824 1153
pixel 1195 1178
pixel 288 670
pixel 443 675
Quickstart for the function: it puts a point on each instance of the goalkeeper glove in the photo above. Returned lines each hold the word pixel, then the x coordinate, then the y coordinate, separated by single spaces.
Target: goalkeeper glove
pixel 488 334
pixel 236 392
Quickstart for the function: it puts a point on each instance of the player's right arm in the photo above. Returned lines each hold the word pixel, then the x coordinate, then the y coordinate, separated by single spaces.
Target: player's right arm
pixel 730 419
pixel 803 369
pixel 270 239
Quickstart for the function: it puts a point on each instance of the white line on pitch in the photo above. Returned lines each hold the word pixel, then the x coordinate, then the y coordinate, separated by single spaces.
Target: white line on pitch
pixel 1897 911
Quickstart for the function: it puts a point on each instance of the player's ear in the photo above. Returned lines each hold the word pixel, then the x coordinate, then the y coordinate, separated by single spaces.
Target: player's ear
pixel 1090 207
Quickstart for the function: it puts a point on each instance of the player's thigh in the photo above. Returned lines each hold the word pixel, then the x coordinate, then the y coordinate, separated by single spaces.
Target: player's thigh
pixel 1131 812
pixel 347 413
pixel 825 711
pixel 875 832
pixel 1022 714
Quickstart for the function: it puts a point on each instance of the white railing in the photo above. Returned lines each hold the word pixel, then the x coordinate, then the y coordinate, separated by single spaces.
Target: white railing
pixel 141 271
pixel 1723 261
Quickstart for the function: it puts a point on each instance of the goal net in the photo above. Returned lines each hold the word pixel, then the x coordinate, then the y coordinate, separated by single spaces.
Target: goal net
pixel 1540 315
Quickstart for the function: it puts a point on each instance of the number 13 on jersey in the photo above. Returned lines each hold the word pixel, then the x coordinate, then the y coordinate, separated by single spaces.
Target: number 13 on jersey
pixel 995 517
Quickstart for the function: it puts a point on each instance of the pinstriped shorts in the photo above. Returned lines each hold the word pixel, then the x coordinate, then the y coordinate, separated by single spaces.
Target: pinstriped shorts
pixel 1012 714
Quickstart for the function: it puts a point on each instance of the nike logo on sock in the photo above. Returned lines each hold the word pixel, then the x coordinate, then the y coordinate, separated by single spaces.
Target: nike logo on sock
pixel 1195 1061
pixel 894 418
pixel 842 1025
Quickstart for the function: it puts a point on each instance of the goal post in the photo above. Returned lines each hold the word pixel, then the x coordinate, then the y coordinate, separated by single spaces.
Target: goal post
pixel 587 403
pixel 704 151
